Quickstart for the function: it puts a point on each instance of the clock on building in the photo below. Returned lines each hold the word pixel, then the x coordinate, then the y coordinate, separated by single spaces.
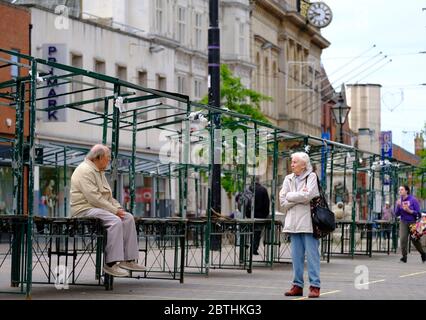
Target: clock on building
pixel 319 14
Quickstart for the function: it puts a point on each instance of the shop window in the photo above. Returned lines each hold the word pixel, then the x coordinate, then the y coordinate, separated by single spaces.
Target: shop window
pixel 6 190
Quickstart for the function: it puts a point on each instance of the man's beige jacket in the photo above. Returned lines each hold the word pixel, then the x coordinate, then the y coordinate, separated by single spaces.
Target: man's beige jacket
pixel 90 189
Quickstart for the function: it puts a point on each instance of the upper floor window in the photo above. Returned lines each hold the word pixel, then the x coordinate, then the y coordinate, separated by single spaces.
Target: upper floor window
pixel 99 67
pixel 121 73
pixel 77 61
pixel 161 85
pixel 198 30
pixel 159 15
pixel 14 68
pixel 241 38
pixel 198 89
pixel 181 25
pixel 142 81
pixel 181 88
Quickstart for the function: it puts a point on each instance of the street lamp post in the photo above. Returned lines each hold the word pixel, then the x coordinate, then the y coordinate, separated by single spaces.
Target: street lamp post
pixel 340 112
pixel 214 99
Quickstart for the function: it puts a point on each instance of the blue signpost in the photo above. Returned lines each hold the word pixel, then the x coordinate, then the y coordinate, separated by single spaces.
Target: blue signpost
pixel 386 152
pixel 324 149
pixel 386 144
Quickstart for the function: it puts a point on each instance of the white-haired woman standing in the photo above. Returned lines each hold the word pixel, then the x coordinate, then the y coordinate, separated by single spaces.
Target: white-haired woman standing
pixel 298 189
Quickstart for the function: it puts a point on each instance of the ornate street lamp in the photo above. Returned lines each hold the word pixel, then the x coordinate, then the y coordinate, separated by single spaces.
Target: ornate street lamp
pixel 340 112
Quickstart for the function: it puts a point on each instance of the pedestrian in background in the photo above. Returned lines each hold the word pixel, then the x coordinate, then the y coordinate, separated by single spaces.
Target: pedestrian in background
pixel 408 208
pixel 261 208
pixel 388 217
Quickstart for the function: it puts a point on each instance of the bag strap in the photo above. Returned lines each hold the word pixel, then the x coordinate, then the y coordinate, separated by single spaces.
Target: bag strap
pixel 321 191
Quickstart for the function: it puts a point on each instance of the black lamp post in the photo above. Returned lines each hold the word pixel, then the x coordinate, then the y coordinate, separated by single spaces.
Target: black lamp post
pixel 214 98
pixel 340 112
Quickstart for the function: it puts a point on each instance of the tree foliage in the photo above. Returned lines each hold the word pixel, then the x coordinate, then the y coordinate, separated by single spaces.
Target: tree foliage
pixel 236 97
pixel 421 172
pixel 421 175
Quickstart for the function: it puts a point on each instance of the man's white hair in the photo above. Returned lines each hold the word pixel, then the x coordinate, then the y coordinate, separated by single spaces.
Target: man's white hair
pixel 98 151
pixel 304 157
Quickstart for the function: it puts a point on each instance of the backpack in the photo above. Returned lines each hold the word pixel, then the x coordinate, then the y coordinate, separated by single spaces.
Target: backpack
pixel 244 202
pixel 323 219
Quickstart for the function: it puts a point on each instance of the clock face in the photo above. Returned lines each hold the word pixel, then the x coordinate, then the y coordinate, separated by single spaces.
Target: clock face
pixel 319 14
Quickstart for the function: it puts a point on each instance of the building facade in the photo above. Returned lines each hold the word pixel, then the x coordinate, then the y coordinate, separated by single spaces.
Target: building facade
pixel 268 44
pixel 182 26
pixel 286 51
pixel 102 49
pixel 419 144
pixel 122 53
pixel 14 37
pixel 364 117
pixel 166 50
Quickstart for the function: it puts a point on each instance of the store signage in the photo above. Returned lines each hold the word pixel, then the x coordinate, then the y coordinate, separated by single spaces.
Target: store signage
pixel 54 53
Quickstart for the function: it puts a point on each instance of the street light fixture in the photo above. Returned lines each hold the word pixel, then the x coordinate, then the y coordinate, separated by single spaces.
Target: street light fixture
pixel 340 112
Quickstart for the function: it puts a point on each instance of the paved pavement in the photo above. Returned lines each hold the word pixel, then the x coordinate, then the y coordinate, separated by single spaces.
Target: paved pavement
pixel 381 277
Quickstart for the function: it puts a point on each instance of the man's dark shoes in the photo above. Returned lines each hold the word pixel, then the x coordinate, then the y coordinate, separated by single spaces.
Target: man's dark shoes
pixel 295 291
pixel 423 257
pixel 403 259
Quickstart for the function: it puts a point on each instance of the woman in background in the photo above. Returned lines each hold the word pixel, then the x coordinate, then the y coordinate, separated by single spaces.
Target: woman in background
pixel 407 207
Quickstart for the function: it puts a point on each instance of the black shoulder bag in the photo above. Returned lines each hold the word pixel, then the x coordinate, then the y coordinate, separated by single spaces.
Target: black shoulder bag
pixel 323 219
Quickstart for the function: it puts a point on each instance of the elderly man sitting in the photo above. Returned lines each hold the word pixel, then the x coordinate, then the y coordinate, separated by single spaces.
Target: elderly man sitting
pixel 91 196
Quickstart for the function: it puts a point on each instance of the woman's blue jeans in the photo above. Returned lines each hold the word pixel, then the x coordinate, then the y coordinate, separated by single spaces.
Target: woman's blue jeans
pixel 301 244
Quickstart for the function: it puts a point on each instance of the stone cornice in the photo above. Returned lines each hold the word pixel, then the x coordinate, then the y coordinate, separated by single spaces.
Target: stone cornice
pixel 263 40
pixel 242 63
pixel 235 4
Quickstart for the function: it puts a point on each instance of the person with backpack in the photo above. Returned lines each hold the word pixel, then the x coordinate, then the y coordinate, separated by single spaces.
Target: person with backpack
pixel 298 189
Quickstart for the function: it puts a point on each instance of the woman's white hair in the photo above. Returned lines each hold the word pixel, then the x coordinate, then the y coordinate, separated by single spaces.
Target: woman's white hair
pixel 304 157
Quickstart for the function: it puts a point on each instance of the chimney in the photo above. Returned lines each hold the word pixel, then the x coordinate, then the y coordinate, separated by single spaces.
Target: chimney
pixel 418 144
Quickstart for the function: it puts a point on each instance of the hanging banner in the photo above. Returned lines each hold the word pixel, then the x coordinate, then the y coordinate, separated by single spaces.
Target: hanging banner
pixel 386 144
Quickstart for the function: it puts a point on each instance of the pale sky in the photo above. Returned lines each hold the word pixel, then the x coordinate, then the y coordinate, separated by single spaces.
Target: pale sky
pixel 398 29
